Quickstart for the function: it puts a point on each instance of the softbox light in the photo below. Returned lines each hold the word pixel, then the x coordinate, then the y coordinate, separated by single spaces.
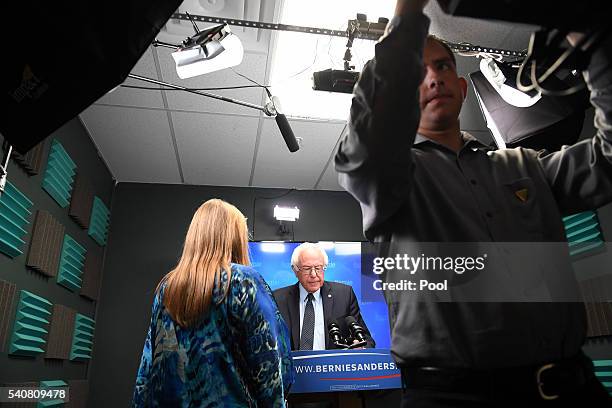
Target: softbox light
pixel 548 124
pixel 65 55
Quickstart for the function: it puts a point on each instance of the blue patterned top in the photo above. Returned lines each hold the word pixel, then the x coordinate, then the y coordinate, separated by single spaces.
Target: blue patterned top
pixel 238 356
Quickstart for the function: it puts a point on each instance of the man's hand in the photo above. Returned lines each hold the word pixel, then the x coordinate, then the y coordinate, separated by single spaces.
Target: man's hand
pixel 573 38
pixel 403 7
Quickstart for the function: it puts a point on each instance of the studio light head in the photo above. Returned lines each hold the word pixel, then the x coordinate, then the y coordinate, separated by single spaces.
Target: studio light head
pixel 343 81
pixel 334 80
pixel 209 50
pixel 286 213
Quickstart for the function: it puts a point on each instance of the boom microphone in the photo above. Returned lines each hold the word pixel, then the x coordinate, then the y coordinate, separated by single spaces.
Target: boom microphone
pixel 287 132
pixel 357 331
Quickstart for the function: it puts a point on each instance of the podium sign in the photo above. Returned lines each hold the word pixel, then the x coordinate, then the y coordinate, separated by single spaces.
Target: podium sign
pixel 344 370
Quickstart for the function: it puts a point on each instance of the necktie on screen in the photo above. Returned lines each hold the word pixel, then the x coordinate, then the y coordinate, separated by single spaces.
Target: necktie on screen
pixel 307 337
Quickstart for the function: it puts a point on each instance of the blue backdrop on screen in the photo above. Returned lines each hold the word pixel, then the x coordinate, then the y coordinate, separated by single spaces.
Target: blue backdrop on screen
pixel 273 260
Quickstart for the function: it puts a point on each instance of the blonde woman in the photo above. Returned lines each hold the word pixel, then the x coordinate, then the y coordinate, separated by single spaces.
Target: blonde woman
pixel 216 336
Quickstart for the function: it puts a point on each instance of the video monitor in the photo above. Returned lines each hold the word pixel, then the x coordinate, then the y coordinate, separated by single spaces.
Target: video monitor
pixel 273 261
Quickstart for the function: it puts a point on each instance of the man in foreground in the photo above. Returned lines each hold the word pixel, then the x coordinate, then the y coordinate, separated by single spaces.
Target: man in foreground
pixel 418 178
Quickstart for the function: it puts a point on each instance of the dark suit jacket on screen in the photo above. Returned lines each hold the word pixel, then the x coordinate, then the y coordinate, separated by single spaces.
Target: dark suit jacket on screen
pixel 339 301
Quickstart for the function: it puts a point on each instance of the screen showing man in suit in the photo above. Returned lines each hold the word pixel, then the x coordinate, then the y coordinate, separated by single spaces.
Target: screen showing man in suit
pixel 311 304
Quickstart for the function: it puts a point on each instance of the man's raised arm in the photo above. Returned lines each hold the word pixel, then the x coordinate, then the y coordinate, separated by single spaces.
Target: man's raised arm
pixel 374 160
pixel 580 176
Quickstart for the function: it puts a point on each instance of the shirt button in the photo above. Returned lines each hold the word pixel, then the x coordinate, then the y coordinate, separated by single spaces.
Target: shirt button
pixel 473 182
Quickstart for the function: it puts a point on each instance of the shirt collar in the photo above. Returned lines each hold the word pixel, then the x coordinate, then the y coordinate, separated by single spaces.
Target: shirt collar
pixel 468 140
pixel 304 293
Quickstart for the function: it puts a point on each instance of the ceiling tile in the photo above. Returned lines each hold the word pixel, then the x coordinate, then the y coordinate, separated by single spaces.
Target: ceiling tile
pixel 518 39
pixel 215 149
pixel 329 181
pixel 137 97
pixel 135 143
pixel 277 167
pixel 253 66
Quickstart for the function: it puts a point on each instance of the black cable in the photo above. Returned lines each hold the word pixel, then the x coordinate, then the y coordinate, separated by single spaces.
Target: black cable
pixel 247 78
pixel 555 66
pixel 590 40
pixel 554 93
pixel 267 198
pixel 519 76
pixel 218 88
pixel 190 89
pixel 256 83
pixel 529 59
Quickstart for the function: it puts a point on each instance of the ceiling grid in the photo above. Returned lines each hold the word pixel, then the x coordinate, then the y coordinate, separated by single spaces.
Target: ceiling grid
pixel 174 137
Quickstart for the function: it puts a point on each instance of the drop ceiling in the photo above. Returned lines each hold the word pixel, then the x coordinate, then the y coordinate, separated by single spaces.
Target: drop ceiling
pixel 175 137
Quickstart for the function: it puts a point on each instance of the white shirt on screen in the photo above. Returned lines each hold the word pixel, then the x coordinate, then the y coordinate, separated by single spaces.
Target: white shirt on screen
pixel 319 325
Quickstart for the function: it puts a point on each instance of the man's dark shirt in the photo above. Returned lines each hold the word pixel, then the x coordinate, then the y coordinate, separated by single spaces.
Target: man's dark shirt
pixel 414 189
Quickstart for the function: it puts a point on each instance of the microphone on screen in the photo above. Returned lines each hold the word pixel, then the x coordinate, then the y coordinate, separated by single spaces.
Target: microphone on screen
pixel 334 332
pixel 357 331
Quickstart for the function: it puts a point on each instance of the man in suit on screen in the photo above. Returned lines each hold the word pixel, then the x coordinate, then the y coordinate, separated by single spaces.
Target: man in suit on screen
pixel 311 304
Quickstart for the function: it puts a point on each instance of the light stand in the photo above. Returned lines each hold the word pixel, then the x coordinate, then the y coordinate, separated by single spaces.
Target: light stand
pixel 270 109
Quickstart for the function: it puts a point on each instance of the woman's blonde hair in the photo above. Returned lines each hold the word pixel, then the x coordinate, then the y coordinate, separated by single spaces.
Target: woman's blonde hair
pixel 217 236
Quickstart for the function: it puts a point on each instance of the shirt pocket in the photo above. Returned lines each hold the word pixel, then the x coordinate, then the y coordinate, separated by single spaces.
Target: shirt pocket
pixel 521 198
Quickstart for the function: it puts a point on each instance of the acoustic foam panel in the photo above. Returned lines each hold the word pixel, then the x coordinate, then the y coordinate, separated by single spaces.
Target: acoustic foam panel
pixel 603 371
pixel 61 328
pixel 31 325
pixel 46 245
pixel 82 201
pixel 32 161
pixel 98 224
pixel 50 384
pixel 15 212
pixel 82 340
pixel 71 264
pixel 92 275
pixel 7 298
pixel 583 232
pixel 59 176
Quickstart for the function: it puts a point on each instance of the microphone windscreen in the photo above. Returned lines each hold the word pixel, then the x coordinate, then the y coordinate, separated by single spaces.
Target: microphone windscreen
pixel 287 132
